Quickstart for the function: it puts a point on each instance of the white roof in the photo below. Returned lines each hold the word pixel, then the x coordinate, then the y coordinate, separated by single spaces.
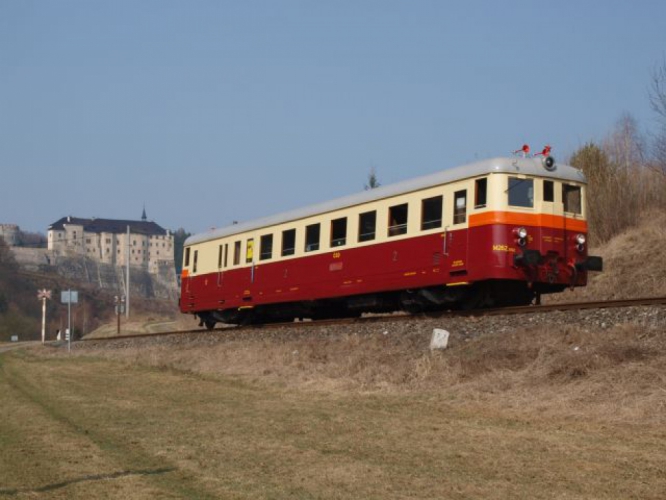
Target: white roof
pixel 525 166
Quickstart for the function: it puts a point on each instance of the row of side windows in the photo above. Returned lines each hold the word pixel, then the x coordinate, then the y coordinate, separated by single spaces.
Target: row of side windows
pixel 431 218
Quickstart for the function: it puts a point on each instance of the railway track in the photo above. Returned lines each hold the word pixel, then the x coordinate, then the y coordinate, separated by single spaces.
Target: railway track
pixel 532 309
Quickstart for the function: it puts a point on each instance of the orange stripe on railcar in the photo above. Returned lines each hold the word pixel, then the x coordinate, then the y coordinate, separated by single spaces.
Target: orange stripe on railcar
pixel 523 219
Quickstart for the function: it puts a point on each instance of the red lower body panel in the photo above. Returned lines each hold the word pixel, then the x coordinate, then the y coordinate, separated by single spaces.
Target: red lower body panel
pixel 455 257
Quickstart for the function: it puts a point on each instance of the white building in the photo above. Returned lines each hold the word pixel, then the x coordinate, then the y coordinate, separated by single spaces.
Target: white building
pixel 106 240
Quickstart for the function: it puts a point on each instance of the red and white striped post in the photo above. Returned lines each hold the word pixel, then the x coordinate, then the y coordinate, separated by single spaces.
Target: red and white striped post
pixel 43 295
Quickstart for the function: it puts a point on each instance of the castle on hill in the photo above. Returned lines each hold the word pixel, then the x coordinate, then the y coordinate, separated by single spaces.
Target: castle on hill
pixel 144 243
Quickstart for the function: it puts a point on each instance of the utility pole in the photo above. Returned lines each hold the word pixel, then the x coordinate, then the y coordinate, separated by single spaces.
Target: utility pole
pixel 127 292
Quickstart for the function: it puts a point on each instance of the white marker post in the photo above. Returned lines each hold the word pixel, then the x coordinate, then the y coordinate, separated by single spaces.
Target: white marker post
pixel 43 295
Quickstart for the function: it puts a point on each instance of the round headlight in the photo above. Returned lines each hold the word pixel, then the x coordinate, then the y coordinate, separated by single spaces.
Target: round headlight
pixel 521 232
pixel 580 239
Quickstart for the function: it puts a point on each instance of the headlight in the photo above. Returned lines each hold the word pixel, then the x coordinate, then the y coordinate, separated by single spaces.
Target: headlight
pixel 580 242
pixel 521 233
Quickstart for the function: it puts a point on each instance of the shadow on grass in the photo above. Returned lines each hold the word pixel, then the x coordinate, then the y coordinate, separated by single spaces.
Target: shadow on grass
pixel 95 477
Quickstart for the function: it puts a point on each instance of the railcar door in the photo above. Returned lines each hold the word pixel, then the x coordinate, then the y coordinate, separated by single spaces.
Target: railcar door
pixel 552 227
pixel 456 240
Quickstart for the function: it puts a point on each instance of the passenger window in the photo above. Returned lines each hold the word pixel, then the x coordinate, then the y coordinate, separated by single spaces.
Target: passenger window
pixel 187 257
pixel 460 207
pixel 312 237
pixel 236 253
pixel 226 254
pixel 219 256
pixel 397 220
pixel 249 251
pixel 339 232
pixel 194 265
pixel 571 197
pixel 288 242
pixel 548 191
pixel 480 192
pixel 431 212
pixel 266 250
pixel 521 192
pixel 367 222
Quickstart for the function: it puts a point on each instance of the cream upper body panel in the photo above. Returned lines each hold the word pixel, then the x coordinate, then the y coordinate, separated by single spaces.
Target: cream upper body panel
pixel 216 249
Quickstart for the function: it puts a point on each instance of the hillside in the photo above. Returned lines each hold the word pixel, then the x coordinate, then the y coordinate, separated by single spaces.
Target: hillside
pixel 634 264
pixel 20 311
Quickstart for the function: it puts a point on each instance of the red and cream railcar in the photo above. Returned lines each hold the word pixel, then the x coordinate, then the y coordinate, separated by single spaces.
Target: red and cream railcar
pixel 497 232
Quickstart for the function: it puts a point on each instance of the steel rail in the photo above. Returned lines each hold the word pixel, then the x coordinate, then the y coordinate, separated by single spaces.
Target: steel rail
pixel 532 309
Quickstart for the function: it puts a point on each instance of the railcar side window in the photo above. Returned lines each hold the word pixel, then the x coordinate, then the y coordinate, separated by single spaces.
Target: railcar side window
pixel 266 250
pixel 187 257
pixel 397 220
pixel 237 253
pixel 480 192
pixel 312 237
pixel 249 251
pixel 339 232
pixel 548 191
pixel 460 207
pixel 431 212
pixel 521 192
pixel 219 256
pixel 367 223
pixel 194 264
pixel 571 197
pixel 288 242
pixel 226 254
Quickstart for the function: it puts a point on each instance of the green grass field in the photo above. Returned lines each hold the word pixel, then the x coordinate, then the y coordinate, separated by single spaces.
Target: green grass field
pixel 81 426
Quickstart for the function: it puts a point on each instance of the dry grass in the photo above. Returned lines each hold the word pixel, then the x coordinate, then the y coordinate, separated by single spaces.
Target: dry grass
pixel 615 374
pixel 541 413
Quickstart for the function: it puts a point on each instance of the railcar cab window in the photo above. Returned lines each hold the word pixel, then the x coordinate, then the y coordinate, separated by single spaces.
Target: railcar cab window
pixel 219 256
pixel 571 197
pixel 480 192
pixel 288 242
pixel 431 212
pixel 187 257
pixel 397 220
pixel 312 233
pixel 460 207
pixel 194 264
pixel 339 232
pixel 237 253
pixel 548 191
pixel 521 192
pixel 266 249
pixel 367 223
pixel 226 254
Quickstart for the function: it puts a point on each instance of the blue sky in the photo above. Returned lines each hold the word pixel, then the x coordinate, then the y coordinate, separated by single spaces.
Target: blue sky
pixel 214 111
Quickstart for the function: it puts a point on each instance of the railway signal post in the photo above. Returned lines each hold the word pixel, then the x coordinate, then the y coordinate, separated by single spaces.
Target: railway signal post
pixel 120 309
pixel 69 297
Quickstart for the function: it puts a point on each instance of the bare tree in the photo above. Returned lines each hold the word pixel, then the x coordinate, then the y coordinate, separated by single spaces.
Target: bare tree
pixel 373 182
pixel 658 104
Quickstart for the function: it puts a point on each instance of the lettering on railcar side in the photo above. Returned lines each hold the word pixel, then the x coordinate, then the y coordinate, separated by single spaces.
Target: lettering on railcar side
pixel 503 248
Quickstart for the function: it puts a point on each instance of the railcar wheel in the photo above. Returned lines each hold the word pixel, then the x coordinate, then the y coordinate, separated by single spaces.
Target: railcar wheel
pixel 209 324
